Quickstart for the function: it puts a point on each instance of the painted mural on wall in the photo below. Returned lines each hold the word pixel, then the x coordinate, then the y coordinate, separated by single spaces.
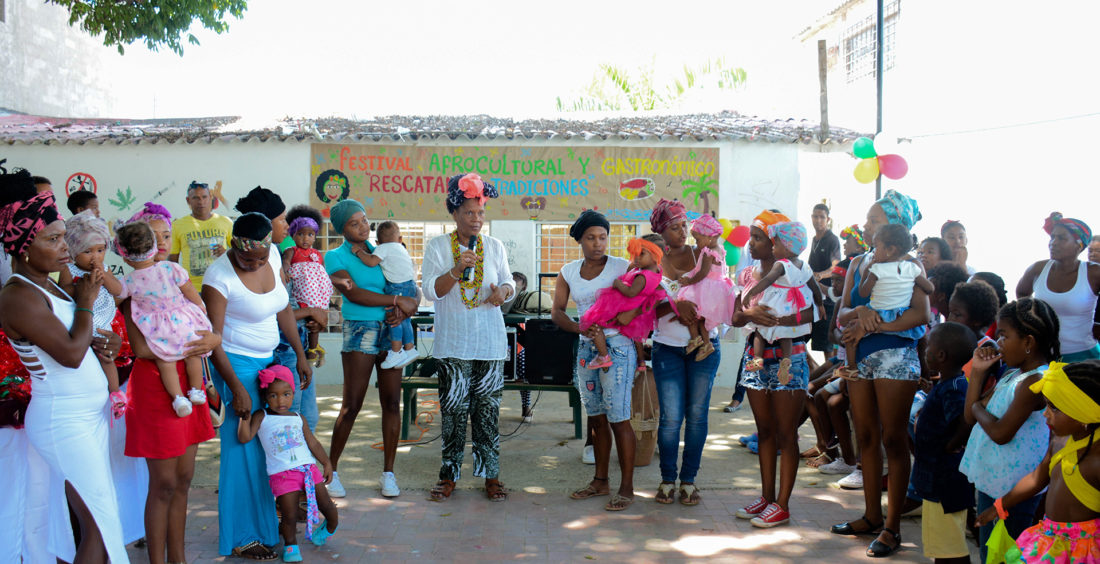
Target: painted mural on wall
pixel 535 183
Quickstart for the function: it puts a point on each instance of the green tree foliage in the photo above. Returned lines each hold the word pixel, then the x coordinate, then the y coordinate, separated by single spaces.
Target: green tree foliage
pixel 160 23
pixel 614 88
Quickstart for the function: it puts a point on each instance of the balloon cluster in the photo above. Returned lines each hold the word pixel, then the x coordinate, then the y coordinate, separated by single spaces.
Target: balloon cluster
pixel 734 237
pixel 873 161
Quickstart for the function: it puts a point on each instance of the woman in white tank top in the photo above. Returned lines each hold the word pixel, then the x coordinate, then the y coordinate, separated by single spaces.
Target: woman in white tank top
pixel 1069 285
pixel 66 421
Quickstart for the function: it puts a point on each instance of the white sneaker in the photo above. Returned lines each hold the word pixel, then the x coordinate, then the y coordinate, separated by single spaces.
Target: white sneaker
pixel 853 481
pixel 181 406
pixel 393 359
pixel 589 456
pixel 410 356
pixel 336 489
pixel 837 466
pixel 389 485
pixel 197 396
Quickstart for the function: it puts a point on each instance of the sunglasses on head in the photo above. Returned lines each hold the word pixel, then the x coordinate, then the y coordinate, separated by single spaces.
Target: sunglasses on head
pixel 195 184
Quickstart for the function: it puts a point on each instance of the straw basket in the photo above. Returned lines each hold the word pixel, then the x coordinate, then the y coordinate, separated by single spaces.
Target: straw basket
pixel 644 417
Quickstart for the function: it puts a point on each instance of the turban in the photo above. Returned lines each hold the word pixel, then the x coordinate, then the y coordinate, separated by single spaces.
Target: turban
pixel 84 231
pixel 665 213
pixel 251 231
pixel 462 187
pixel 342 212
pixel 706 226
pixel 791 234
pixel 900 209
pixel 636 246
pixel 303 222
pixel 21 220
pixel 588 218
pixel 1066 396
pixel 853 232
pixel 768 218
pixel 152 212
pixel 275 372
pixel 262 200
pixel 1076 227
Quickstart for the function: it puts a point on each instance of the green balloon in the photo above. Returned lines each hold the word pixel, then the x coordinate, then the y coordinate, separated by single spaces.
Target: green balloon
pixel 733 254
pixel 864 148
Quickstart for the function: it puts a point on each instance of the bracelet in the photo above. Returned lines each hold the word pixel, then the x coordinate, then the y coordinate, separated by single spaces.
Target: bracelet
pixel 998 505
pixel 395 301
pixel 85 309
pixel 452 275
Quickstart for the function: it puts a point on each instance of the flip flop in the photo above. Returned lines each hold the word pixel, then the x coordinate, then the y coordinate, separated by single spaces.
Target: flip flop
pixel 665 493
pixel 618 503
pixel 689 495
pixel 589 491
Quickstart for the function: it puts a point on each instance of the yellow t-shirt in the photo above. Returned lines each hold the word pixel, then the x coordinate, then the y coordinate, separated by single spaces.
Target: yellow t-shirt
pixel 195 242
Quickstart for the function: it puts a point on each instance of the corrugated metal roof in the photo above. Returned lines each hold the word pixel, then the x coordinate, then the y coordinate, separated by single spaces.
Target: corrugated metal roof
pixel 725 126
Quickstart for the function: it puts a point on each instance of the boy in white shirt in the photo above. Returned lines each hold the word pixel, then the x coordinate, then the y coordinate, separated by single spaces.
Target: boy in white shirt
pixel 400 273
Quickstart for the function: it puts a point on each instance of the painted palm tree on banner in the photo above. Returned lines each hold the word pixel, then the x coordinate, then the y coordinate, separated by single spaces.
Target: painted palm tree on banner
pixel 700 188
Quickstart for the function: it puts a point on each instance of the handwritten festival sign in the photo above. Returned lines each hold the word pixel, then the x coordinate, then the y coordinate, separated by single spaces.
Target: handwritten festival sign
pixel 406 182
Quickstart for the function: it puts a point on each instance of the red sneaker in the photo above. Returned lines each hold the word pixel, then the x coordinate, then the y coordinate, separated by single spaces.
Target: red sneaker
pixel 753 509
pixel 773 516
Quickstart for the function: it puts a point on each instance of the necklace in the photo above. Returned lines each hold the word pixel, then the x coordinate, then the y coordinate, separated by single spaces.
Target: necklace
pixel 479 271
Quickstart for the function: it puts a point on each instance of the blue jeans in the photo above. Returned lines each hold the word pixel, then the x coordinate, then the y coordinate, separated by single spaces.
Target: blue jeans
pixel 305 401
pixel 404 331
pixel 1020 517
pixel 683 393
pixel 607 392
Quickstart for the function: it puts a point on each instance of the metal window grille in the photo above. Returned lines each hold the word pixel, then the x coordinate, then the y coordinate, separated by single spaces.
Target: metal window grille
pixel 859 44
pixel 554 247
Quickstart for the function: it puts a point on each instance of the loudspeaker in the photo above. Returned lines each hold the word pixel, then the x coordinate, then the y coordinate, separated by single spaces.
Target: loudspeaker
pixel 510 360
pixel 551 353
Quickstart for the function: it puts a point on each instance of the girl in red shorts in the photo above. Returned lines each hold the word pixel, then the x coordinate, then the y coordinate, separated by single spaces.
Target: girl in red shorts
pixel 292 458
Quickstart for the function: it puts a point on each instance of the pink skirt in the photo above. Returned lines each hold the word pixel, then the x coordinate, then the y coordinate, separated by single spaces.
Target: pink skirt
pixel 291 481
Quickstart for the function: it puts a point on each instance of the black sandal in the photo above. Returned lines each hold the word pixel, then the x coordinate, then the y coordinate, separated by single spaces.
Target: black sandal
pixel 847 529
pixel 255 550
pixel 879 549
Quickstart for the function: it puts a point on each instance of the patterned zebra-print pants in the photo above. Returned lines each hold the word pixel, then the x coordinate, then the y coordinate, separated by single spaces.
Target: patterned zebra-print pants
pixel 470 388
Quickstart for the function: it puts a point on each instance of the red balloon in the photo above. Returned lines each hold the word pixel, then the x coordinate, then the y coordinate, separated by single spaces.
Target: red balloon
pixel 892 166
pixel 739 235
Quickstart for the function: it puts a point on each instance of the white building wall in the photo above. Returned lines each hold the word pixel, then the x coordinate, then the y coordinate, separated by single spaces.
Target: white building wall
pixel 49 68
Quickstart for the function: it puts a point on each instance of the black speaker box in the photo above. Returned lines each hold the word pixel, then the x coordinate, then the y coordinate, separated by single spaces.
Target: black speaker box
pixel 551 353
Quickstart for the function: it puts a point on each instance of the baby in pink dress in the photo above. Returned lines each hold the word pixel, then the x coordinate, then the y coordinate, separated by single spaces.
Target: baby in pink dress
pixel 630 304
pixel 166 309
pixel 708 285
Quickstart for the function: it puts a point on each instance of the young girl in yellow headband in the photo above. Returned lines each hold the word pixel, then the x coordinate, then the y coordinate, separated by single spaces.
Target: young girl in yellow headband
pixel 1067 533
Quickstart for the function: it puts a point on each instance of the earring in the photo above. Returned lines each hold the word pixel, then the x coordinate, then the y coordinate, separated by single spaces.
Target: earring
pixel 1027 351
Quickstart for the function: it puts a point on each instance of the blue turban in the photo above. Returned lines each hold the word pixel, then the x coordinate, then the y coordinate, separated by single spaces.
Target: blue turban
pixel 342 212
pixel 900 209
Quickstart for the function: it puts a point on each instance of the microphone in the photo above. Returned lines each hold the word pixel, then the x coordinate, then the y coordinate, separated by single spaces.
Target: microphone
pixel 469 272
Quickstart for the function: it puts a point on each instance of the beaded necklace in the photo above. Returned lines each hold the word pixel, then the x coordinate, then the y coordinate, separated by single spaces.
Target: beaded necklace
pixel 479 272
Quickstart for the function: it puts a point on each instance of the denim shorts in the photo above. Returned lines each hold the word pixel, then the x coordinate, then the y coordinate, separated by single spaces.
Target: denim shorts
pixel 767 378
pixel 363 336
pixel 902 363
pixel 607 393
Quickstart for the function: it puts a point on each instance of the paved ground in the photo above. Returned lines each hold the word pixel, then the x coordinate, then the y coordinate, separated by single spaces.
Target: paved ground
pixel 540 524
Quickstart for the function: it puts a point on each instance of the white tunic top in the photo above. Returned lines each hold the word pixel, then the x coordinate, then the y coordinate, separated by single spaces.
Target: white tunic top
pixel 467 334
pixel 584 291
pixel 250 327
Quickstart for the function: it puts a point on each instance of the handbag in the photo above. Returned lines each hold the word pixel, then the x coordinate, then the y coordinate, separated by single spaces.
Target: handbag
pixel 213 400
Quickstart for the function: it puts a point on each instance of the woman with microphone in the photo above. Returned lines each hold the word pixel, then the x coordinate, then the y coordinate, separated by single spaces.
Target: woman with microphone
pixel 466 274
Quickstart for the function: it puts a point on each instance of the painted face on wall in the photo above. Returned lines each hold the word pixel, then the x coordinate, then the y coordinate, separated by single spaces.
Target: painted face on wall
pixel 334 188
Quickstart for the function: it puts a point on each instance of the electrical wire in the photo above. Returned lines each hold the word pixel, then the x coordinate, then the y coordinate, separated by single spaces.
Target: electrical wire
pixel 1006 126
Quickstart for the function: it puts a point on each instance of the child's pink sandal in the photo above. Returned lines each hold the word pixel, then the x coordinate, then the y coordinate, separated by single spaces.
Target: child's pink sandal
pixel 118 404
pixel 754 364
pixel 600 362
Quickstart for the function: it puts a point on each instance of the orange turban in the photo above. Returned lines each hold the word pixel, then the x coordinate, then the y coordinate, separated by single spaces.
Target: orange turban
pixel 636 246
pixel 768 218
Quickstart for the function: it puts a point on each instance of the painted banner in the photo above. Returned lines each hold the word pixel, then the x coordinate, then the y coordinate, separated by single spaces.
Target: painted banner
pixel 408 182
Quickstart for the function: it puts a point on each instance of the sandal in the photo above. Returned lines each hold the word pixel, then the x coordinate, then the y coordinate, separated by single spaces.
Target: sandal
pixel 812 452
pixel 618 503
pixel 442 490
pixel 689 494
pixel 879 549
pixel 495 491
pixel 589 491
pixel 694 344
pixel 819 460
pixel 665 492
pixel 847 528
pixel 784 371
pixel 754 365
pixel 704 351
pixel 255 550
pixel 319 351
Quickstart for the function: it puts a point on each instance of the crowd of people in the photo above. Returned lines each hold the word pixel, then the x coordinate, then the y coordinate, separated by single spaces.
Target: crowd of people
pixel 971 407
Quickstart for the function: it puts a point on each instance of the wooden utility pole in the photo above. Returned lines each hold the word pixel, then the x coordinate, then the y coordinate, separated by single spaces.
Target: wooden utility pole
pixel 822 78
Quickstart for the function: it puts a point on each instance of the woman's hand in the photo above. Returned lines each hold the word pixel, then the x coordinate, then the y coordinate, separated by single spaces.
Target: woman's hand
pixel 106 345
pixel 242 402
pixel 593 331
pixel 87 289
pixel 852 334
pixel 394 316
pixel 305 371
pixel 869 319
pixel 686 312
pixel 497 296
pixel 761 315
pixel 207 342
pixel 466 260
pixel 407 305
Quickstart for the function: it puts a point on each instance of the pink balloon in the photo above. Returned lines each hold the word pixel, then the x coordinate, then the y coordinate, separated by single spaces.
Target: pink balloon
pixel 892 166
pixel 740 235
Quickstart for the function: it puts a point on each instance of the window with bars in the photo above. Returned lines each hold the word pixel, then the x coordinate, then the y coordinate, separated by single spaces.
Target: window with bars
pixel 554 247
pixel 414 234
pixel 859 44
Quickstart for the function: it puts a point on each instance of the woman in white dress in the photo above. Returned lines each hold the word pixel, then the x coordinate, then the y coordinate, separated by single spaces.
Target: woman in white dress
pixel 66 421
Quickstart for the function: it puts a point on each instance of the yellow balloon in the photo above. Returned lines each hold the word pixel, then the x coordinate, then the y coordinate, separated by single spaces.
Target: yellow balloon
pixel 727 226
pixel 866 170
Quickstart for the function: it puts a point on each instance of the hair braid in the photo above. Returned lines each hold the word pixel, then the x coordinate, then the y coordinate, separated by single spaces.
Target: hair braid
pixel 1035 317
